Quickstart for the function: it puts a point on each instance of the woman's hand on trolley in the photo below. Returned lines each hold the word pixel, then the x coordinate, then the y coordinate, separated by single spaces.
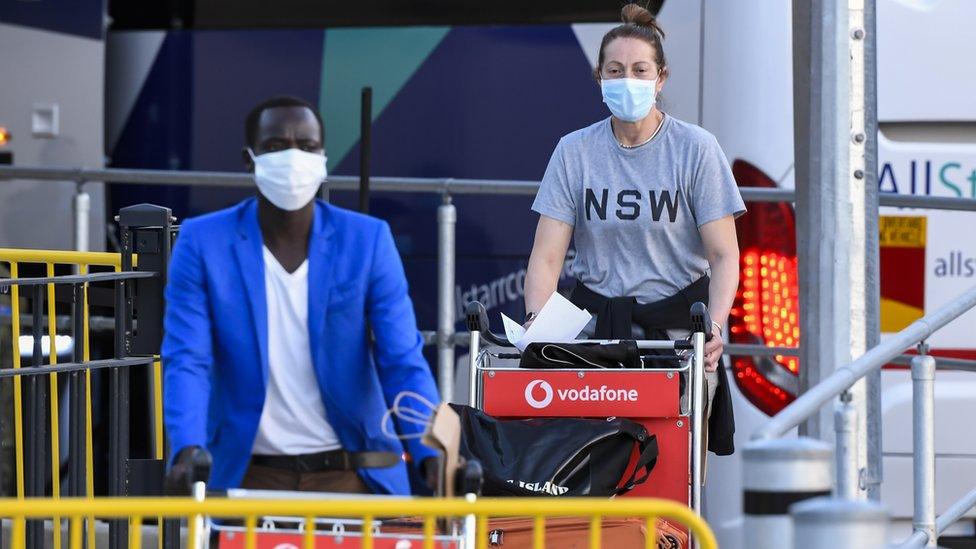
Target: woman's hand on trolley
pixel 714 348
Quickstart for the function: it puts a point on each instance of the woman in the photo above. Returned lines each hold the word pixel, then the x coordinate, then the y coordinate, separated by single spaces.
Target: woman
pixel 651 203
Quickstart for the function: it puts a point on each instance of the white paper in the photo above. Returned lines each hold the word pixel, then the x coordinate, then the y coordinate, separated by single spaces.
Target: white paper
pixel 558 321
pixel 513 330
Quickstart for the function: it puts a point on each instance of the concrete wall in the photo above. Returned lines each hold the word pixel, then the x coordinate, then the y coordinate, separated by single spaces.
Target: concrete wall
pixel 40 66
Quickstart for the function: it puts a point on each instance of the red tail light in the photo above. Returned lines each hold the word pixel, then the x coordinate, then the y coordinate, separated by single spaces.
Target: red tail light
pixel 766 308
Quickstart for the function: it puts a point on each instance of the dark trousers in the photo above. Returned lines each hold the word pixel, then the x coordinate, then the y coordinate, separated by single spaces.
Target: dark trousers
pixel 259 477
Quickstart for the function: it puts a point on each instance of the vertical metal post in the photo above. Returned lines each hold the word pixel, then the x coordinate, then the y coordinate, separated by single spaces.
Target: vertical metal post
pixel 845 449
pixel 76 418
pixel 829 199
pixel 697 405
pixel 474 348
pixel 446 311
pixel 923 445
pixel 81 208
pixel 76 400
pixel 872 277
pixel 118 443
pixel 35 423
pixel 365 147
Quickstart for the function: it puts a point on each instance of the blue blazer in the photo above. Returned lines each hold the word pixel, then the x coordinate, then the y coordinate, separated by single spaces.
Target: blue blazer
pixel 215 348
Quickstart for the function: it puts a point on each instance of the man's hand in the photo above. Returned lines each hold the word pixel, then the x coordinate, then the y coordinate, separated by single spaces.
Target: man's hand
pixel 431 471
pixel 714 349
pixel 191 465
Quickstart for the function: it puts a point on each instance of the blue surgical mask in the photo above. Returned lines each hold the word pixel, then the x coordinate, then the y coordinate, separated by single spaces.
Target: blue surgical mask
pixel 629 99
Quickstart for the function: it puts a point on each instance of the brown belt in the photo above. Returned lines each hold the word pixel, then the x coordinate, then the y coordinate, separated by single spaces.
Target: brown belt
pixel 333 460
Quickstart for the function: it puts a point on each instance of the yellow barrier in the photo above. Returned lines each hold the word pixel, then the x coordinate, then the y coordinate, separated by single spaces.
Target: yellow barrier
pixel 429 509
pixel 81 261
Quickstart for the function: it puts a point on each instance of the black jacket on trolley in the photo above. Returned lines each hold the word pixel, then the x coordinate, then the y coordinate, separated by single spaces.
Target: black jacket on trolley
pixel 615 318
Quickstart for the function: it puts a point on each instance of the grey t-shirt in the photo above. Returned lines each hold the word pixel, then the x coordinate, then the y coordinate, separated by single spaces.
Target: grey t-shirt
pixel 635 212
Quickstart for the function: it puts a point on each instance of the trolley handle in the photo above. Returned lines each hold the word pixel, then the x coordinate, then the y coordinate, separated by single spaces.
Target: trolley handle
pixel 701 321
pixel 476 318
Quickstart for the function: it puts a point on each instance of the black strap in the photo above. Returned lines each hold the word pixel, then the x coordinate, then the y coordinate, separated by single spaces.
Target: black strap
pixel 645 461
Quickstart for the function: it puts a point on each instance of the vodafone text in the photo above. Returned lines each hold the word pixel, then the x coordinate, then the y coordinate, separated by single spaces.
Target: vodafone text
pixel 582 394
pixel 601 394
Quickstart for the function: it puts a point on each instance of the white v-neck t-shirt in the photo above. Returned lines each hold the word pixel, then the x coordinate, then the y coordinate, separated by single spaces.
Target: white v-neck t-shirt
pixel 293 420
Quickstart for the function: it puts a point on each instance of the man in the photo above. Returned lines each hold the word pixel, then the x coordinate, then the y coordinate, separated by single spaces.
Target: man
pixel 289 331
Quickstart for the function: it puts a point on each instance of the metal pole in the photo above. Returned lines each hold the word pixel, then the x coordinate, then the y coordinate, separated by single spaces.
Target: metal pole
pixel 76 419
pixel 697 404
pixel 823 205
pixel 446 223
pixel 118 443
pixel 872 277
pixel 365 147
pixel 834 523
pixel 474 348
pixel 855 341
pixel 776 474
pixel 923 445
pixel 81 208
pixel 845 449
pixel 34 459
pixel 955 511
pixel 412 185
pixel 35 422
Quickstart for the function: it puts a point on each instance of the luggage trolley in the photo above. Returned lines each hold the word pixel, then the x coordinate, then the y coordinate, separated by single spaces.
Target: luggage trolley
pixel 651 396
pixel 340 533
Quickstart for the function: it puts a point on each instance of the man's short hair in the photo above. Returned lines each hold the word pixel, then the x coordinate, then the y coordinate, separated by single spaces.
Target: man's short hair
pixel 254 117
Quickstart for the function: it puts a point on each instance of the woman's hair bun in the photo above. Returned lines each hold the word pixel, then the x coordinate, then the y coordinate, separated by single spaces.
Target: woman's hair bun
pixel 634 14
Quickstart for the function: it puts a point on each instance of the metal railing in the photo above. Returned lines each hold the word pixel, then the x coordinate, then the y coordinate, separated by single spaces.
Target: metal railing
pixel 133 510
pixel 444 185
pixel 445 338
pixel 927 527
pixel 446 217
pixel 30 427
pixel 36 409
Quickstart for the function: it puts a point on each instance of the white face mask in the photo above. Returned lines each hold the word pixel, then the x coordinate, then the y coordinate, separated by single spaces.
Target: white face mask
pixel 629 99
pixel 290 178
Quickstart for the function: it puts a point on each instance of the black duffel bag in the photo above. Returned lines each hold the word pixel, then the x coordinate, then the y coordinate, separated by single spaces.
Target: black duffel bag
pixel 622 354
pixel 556 457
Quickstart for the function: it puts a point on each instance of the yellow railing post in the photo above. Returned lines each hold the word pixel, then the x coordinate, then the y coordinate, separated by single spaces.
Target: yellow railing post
pixel 74 531
pixel 135 533
pixel 250 537
pixel 539 532
pixel 20 526
pixel 368 532
pixel 309 531
pixel 650 533
pixel 429 532
pixel 18 401
pixel 595 532
pixel 481 531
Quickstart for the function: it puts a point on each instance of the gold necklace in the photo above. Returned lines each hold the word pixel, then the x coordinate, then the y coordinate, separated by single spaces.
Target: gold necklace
pixel 653 135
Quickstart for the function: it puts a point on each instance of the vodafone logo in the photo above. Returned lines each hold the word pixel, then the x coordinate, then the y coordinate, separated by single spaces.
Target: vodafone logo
pixel 586 393
pixel 530 397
